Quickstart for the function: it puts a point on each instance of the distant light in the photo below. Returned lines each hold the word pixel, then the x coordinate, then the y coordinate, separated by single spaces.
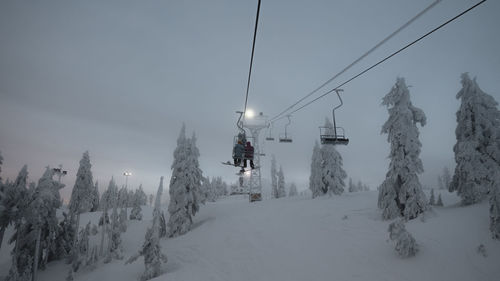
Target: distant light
pixel 249 113
pixel 127 174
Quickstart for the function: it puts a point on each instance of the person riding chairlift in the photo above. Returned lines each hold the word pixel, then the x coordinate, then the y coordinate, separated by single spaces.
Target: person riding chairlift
pixel 249 150
pixel 238 152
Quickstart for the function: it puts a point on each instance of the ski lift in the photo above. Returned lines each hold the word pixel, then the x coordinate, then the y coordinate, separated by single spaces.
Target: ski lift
pixel 285 138
pixel 335 135
pixel 270 137
pixel 242 139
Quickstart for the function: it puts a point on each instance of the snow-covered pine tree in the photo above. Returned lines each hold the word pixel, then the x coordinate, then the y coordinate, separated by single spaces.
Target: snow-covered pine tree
pixel 22 255
pixel 143 198
pixel 10 208
pixel 439 201
pixel 360 186
pixel 184 185
pixel 220 186
pixel 135 213
pixel 107 200
pixel 401 193
pixel 477 151
pixel 123 219
pixel 209 186
pixel 293 190
pixel 95 198
pixel 446 177
pixel 315 181
pixel 406 246
pixel 274 178
pixel 205 189
pixel 130 198
pixel 151 248
pixel 82 251
pixel 151 197
pixel 45 202
pixel 352 187
pixel 122 202
pixel 64 238
pixel 332 173
pixel 281 183
pixel 114 234
pixel 82 193
pixel 432 200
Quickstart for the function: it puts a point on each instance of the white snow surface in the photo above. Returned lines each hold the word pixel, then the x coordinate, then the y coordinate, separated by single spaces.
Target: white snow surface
pixel 300 238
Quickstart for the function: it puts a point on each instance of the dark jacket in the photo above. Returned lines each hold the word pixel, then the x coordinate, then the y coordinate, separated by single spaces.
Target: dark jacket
pixel 238 150
pixel 249 150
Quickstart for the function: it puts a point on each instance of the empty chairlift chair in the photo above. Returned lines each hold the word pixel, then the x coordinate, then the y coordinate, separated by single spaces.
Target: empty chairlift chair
pixel 335 135
pixel 286 138
pixel 270 137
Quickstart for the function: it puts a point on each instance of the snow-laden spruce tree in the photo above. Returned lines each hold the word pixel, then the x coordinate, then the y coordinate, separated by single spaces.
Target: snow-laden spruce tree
pixel 82 194
pixel 204 190
pixel 64 238
pixel 274 178
pixel 406 246
pixel 293 190
pixel 12 195
pixel 141 195
pixel 135 213
pixel 281 183
pixel 444 179
pixel 477 151
pixel 332 173
pixel 95 198
pixel 115 250
pixel 351 186
pixel 122 219
pixel 401 193
pixel 432 200
pixel 42 216
pixel 439 201
pixel 108 200
pixel 82 250
pixel 315 179
pixel 123 201
pixel 151 248
pixel 209 188
pixel 185 184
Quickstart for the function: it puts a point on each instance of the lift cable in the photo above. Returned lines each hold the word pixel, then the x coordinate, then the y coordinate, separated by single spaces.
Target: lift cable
pixel 251 58
pixel 386 58
pixel 360 58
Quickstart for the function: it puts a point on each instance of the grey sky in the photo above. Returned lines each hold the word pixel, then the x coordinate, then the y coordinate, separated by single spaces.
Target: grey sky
pixel 118 78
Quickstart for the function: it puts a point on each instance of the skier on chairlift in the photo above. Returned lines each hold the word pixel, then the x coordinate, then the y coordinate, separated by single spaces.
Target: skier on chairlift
pixel 238 153
pixel 249 150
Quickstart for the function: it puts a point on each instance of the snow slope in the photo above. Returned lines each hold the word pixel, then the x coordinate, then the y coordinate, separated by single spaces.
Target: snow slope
pixel 337 238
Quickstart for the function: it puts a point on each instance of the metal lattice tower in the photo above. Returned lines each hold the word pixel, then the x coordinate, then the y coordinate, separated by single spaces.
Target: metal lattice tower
pixel 255 125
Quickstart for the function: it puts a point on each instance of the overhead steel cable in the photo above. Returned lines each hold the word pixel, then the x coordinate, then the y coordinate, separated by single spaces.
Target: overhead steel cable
pixel 251 58
pixel 383 60
pixel 360 58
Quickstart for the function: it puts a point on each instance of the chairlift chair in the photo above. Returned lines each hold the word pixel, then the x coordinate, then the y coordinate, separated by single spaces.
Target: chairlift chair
pixel 270 137
pixel 285 138
pixel 335 135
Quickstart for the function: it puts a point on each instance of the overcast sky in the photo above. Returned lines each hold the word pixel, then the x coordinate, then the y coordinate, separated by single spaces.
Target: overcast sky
pixel 118 78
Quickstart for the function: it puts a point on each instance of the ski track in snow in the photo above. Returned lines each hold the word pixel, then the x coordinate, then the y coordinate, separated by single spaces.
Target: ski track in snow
pixel 303 239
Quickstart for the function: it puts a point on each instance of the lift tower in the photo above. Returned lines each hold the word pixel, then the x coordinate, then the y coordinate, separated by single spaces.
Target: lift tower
pixel 255 124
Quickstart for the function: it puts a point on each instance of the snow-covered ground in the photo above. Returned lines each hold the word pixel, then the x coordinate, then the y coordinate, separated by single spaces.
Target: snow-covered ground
pixel 337 238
